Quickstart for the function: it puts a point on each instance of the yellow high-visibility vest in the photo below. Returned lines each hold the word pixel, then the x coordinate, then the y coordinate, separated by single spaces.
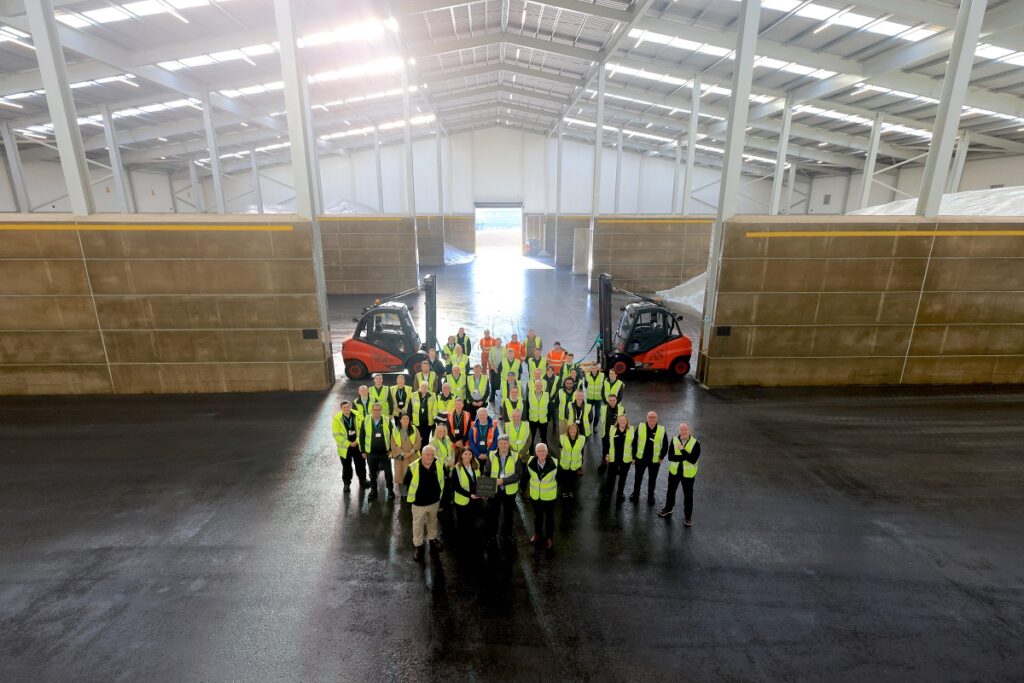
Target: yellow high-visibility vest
pixel 368 433
pixel 383 397
pixel 344 437
pixel 464 482
pixel 517 438
pixel 627 455
pixel 689 468
pixel 545 488
pixel 539 406
pixel 572 453
pixel 415 485
pixel 511 461
pixel 641 438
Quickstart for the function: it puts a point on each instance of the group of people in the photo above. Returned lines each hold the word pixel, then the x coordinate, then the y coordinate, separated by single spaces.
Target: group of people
pixel 433 441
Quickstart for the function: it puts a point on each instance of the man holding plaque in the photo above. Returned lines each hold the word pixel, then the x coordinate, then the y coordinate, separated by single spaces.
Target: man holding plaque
pixel 504 468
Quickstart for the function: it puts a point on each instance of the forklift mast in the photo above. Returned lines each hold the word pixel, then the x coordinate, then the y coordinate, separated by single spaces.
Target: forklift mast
pixel 430 288
pixel 604 305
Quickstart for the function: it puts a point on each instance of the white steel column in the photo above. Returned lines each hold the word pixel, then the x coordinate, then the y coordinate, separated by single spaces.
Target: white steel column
pixel 735 136
pixel 314 149
pixel 410 171
pixel 780 159
pixel 954 88
pixel 198 200
pixel 846 193
pixel 618 171
pixel 301 155
pixel 116 166
pixel 380 173
pixel 595 202
pixel 691 144
pixel 211 147
pixel 16 172
pixel 959 161
pixel 558 182
pixel 174 195
pixel 61 103
pixel 640 184
pixel 440 175
pixel 257 191
pixel 789 188
pixel 869 163
pixel 675 176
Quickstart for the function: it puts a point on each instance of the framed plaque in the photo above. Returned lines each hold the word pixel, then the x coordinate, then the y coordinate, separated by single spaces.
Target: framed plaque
pixel 486 487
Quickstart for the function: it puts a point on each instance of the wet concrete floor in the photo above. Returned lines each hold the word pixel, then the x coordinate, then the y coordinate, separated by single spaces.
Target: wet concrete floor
pixel 844 534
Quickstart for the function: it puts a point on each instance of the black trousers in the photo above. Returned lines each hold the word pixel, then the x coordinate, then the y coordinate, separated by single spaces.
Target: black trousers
pixel 638 478
pixel 568 481
pixel 595 411
pixel 425 432
pixel 502 505
pixel 380 462
pixel 616 478
pixel 354 459
pixel 670 501
pixel 539 433
pixel 544 519
pixel 465 521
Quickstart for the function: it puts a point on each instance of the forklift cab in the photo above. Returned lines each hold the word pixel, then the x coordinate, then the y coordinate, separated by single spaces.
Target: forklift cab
pixel 644 327
pixel 389 327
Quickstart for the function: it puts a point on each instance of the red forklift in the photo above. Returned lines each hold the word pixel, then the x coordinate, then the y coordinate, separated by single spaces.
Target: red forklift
pixel 386 340
pixel 647 337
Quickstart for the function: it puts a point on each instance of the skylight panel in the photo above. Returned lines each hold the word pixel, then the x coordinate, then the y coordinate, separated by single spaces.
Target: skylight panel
pixel 71 20
pixel 814 11
pixel 852 20
pixel 780 5
pixel 259 50
pixel 106 15
pixel 986 51
pixel 889 28
pixel 198 60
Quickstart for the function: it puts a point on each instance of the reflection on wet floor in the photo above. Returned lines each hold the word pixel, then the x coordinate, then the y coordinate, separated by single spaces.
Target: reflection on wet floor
pixel 841 533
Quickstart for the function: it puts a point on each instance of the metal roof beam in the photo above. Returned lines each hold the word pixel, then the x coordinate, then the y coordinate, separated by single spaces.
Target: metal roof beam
pixel 412 7
pixel 108 53
pixel 488 39
pixel 851 71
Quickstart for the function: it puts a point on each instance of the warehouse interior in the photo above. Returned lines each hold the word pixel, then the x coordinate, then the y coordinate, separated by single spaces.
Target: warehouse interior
pixel 200 198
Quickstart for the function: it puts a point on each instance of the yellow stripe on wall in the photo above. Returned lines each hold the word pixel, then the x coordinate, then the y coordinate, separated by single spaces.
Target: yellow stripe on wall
pixel 655 220
pixel 108 227
pixel 887 233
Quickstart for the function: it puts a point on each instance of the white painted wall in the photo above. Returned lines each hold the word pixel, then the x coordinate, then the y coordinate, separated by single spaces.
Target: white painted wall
pixel 978 175
pixel 493 165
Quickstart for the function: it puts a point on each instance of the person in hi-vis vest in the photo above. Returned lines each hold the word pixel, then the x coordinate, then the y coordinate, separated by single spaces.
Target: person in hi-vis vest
pixel 345 427
pixel 683 453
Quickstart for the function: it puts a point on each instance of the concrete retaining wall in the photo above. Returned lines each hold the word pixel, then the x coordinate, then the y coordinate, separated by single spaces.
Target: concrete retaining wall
pixel 564 235
pixel 649 253
pixel 193 304
pixel 430 236
pixel 549 235
pixel 369 254
pixel 460 231
pixel 868 300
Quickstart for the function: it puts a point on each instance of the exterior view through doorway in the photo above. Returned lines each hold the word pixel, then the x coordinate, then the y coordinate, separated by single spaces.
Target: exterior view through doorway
pixel 500 238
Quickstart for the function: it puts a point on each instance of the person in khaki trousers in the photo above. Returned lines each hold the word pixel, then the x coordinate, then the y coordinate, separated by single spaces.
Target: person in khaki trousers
pixel 425 479
pixel 406 445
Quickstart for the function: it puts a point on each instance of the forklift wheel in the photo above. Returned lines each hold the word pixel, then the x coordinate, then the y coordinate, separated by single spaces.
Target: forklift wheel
pixel 681 367
pixel 621 364
pixel 355 370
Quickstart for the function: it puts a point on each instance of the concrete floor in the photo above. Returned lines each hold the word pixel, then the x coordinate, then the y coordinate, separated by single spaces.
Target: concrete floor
pixel 844 534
